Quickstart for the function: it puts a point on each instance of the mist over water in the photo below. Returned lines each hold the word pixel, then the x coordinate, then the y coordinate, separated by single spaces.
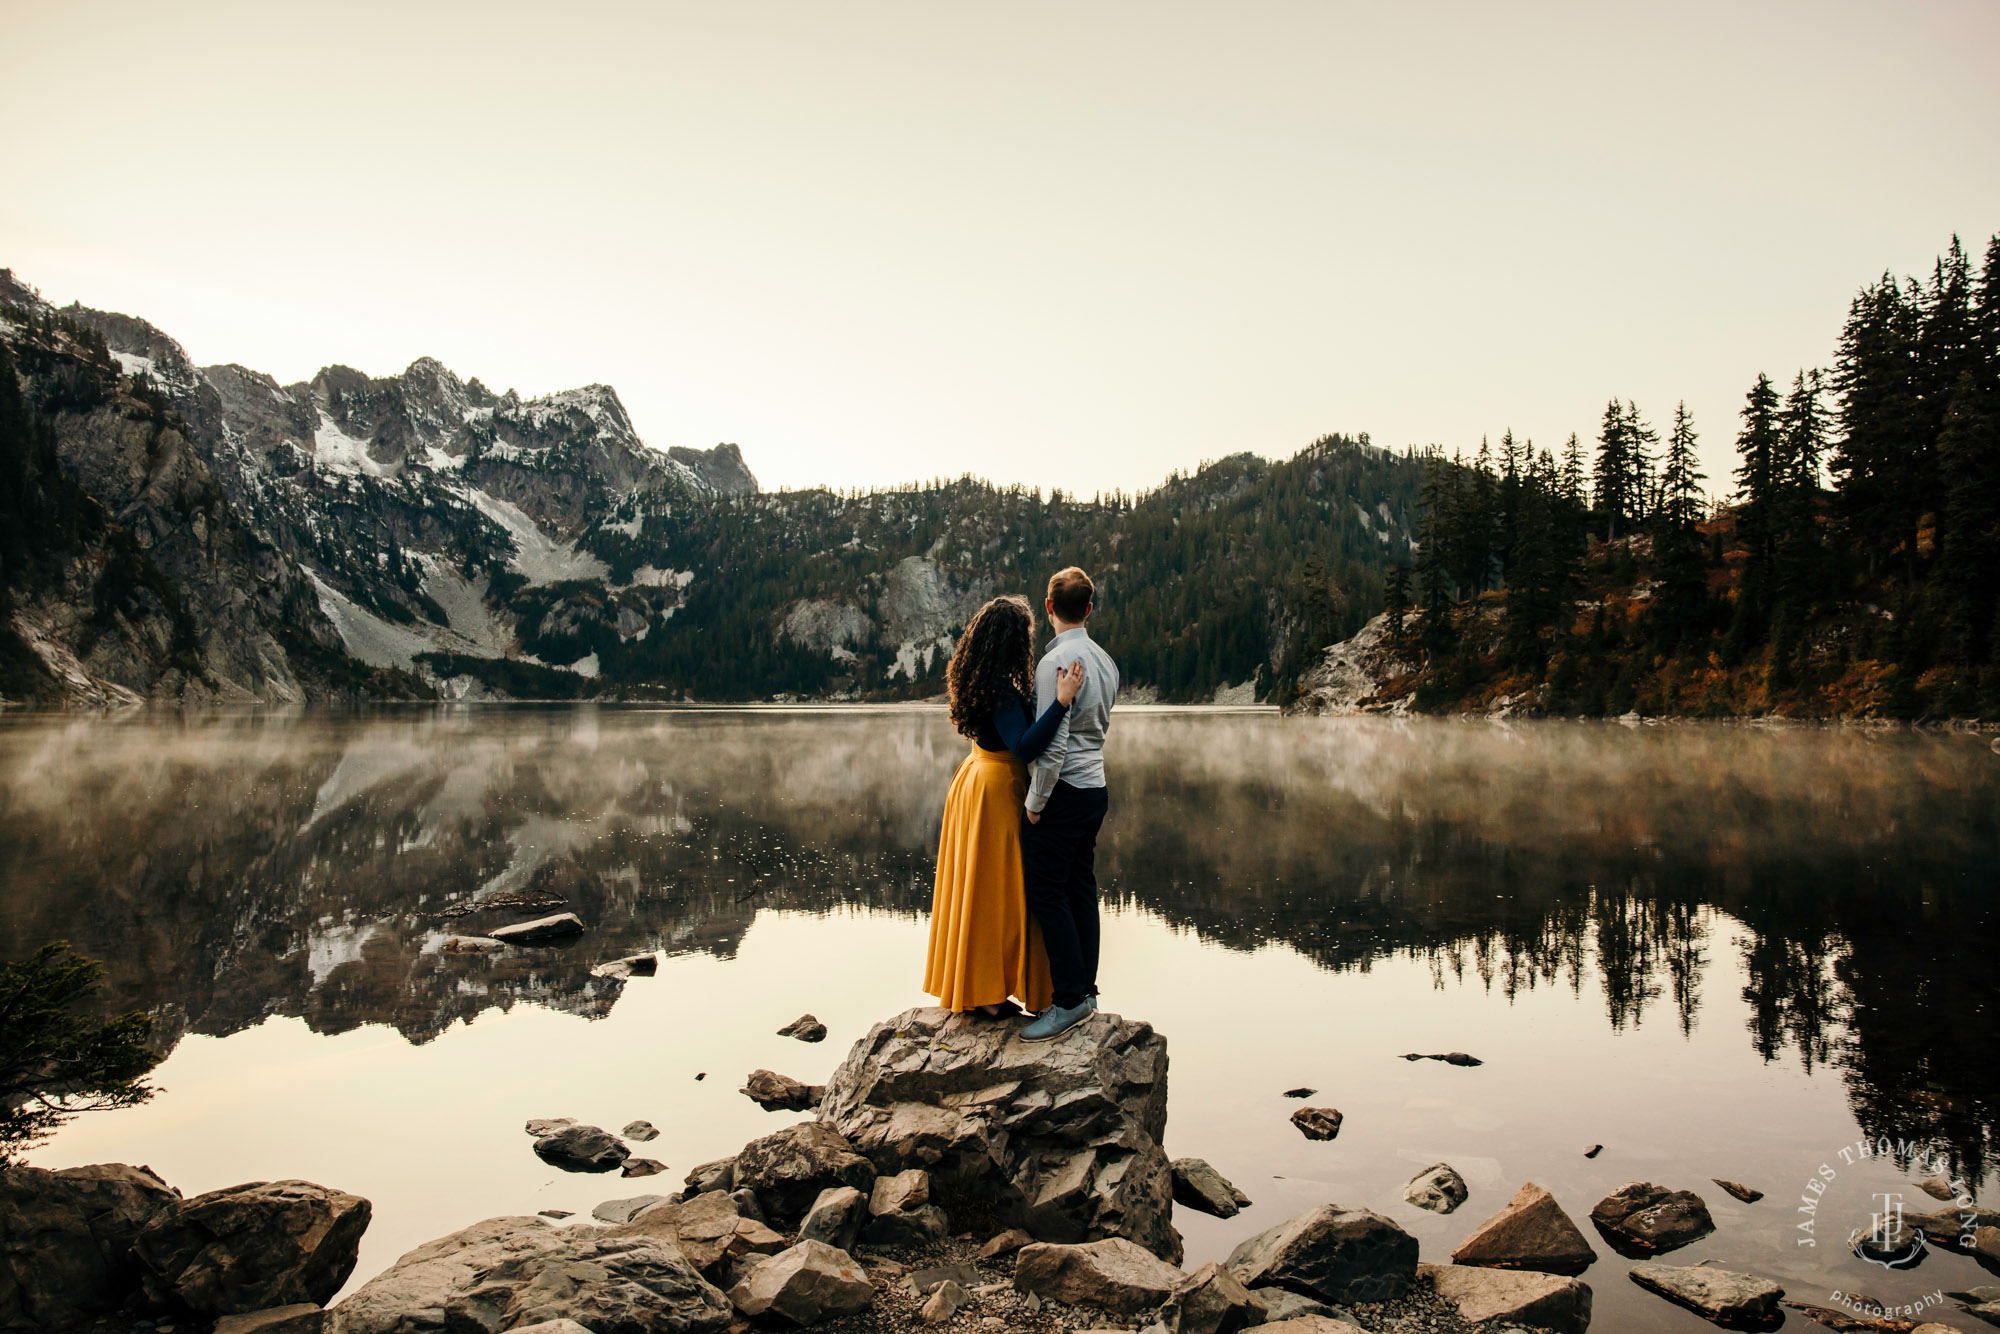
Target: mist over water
pixel 1719 951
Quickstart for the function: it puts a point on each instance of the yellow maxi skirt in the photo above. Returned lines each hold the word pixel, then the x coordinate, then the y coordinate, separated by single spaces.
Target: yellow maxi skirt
pixel 985 945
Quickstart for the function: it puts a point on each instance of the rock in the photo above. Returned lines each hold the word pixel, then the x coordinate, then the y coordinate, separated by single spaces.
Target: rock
pixel 542 1129
pixel 704 1229
pixel 1985 1292
pixel 576 1148
pixel 806 1284
pixel 1114 1274
pixel 1061 1139
pixel 754 1237
pixel 718 1175
pixel 1650 1220
pixel 1539 1301
pixel 836 1217
pixel 805 1028
pixel 1593 1151
pixel 642 1167
pixel 1284 1304
pixel 245 1248
pixel 781 1093
pixel 472 945
pixel 624 1211
pixel 1201 1187
pixel 1986 1243
pixel 923 1280
pixel 506 1273
pixel 1721 1295
pixel 1438 1188
pixel 1739 1190
pixel 640 1131
pixel 1448 1057
pixel 907 1189
pixel 1937 1188
pixel 556 1213
pixel 298 1318
pixel 944 1302
pixel 1211 1300
pixel 789 1169
pixel 748 1204
pixel 1954 1227
pixel 1300 1092
pixel 543 929
pixel 1532 1232
pixel 551 1327
pixel 1987 1311
pixel 1311 1324
pixel 1896 1244
pixel 638 965
pixel 1005 1243
pixel 1317 1122
pixel 912 1229
pixel 66 1241
pixel 1335 1254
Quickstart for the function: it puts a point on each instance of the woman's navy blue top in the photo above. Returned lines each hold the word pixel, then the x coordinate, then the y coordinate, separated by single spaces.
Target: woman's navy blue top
pixel 1011 728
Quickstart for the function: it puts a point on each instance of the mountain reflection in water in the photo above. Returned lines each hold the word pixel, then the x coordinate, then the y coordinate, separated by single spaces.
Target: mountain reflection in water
pixel 228 868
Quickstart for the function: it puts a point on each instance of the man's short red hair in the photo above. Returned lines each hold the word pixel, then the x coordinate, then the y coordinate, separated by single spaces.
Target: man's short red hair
pixel 1070 594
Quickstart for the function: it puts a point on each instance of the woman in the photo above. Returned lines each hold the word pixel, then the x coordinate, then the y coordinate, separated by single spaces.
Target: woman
pixel 984 945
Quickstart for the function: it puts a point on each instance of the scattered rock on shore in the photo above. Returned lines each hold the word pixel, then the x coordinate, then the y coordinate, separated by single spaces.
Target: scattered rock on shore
pixel 1747 1194
pixel 1335 1254
pixel 1438 1188
pixel 1114 1274
pixel 789 1169
pixel 540 931
pixel 642 1167
pixel 1448 1057
pixel 1538 1301
pixel 1721 1295
pixel 805 1028
pixel 1201 1187
pixel 66 1241
pixel 577 1148
pixel 298 1318
pixel 781 1093
pixel 1211 1300
pixel 246 1248
pixel 1532 1232
pixel 640 1131
pixel 637 965
pixel 1317 1122
pixel 836 1217
pixel 1062 1139
pixel 1300 1092
pixel 1647 1219
pixel 623 1211
pixel 1284 1304
pixel 1593 1151
pixel 804 1284
pixel 504 1273
pixel 718 1175
pixel 1004 1243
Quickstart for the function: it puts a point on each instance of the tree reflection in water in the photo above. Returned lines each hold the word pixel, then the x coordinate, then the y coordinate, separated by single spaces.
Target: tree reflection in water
pixel 227 868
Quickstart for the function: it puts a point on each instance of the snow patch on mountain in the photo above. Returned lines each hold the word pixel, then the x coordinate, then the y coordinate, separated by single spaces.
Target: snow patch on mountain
pixel 537 556
pixel 342 453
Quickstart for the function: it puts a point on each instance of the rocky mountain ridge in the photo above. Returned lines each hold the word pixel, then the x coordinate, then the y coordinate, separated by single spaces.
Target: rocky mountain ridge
pixel 420 535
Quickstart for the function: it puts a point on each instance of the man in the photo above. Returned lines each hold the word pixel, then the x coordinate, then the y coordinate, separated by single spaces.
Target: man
pixel 1065 808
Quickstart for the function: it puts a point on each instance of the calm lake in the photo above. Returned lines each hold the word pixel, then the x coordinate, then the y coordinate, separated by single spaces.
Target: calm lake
pixel 1717 951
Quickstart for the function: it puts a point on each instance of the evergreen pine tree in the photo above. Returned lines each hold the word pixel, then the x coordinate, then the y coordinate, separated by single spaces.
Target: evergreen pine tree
pixel 1681 596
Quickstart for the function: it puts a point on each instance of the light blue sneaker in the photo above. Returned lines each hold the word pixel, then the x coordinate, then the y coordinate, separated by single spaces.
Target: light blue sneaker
pixel 1055 1021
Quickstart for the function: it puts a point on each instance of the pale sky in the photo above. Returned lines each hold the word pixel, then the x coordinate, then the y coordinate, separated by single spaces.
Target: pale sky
pixel 1077 244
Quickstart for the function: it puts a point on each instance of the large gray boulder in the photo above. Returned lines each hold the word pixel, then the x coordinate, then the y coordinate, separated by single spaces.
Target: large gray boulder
pixel 1113 1274
pixel 703 1228
pixel 1060 1138
pixel 1640 1218
pixel 249 1247
pixel 805 1284
pixel 1438 1188
pixel 789 1169
pixel 835 1217
pixel 540 931
pixel 781 1093
pixel 1334 1254
pixel 505 1273
pixel 1536 1301
pixel 1721 1295
pixel 66 1241
pixel 1532 1232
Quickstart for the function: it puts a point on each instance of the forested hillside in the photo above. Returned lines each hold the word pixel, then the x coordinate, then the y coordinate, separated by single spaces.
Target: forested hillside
pixel 1850 569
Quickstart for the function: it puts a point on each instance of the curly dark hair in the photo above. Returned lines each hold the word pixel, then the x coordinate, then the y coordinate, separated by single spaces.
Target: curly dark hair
pixel 997 650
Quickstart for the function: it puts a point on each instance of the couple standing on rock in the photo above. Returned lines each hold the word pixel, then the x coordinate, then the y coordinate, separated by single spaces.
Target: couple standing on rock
pixel 1014 911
